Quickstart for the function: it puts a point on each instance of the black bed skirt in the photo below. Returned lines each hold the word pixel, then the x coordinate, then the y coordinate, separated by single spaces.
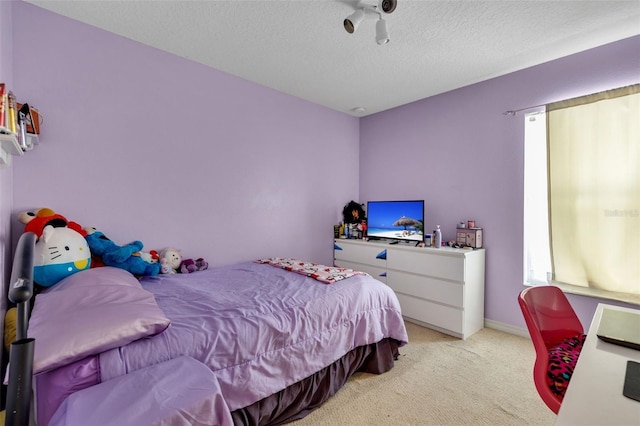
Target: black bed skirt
pixel 301 398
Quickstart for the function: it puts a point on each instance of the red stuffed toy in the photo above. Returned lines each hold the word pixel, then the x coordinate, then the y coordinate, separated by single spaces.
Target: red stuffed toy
pixel 35 221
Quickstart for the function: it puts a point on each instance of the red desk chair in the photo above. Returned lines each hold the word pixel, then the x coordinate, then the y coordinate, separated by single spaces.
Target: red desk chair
pixel 557 336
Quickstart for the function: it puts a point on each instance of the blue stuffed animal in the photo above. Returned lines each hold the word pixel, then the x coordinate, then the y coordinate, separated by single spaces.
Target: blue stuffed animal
pixel 128 257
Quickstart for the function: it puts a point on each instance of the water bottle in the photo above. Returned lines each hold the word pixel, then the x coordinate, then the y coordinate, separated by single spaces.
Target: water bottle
pixel 437 238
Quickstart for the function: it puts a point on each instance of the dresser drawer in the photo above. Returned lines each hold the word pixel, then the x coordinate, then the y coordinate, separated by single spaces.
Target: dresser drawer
pixel 445 292
pixel 359 253
pixel 445 266
pixel 441 316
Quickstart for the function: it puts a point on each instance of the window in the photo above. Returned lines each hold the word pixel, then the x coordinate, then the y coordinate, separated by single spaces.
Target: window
pixel 536 211
pixel 582 195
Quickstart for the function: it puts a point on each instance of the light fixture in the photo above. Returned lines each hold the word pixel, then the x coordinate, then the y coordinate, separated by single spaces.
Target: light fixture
pixel 382 34
pixel 352 21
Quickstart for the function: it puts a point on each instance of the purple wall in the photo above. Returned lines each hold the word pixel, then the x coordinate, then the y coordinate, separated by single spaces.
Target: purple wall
pixel 148 146
pixel 466 159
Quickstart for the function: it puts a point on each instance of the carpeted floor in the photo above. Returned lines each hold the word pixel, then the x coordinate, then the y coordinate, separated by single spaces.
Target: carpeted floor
pixel 441 380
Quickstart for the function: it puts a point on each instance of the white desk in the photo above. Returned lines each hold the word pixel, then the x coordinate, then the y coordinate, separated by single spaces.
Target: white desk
pixel 594 395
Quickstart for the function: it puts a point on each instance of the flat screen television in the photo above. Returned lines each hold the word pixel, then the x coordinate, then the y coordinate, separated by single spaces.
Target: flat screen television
pixel 396 220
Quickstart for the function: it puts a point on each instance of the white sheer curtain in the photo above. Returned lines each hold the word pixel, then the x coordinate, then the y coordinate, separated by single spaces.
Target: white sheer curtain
pixel 594 190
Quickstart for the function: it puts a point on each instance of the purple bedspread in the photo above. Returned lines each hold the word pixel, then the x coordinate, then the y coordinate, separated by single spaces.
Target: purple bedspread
pixel 260 328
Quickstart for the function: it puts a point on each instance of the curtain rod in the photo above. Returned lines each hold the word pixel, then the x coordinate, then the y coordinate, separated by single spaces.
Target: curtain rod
pixel 514 112
pixel 606 94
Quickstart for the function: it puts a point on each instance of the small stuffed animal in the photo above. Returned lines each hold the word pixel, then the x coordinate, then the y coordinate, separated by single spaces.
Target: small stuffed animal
pixel 201 264
pixel 189 265
pixel 170 259
pixel 151 257
pixel 58 253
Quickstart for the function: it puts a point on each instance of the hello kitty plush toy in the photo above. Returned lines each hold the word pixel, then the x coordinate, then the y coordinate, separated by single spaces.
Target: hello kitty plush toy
pixel 58 253
pixel 170 259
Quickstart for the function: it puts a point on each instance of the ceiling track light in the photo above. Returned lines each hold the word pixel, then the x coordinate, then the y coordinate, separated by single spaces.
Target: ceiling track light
pixel 382 33
pixel 352 21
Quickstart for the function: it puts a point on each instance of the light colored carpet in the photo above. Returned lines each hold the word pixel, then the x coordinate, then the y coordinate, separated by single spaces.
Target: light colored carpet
pixel 441 380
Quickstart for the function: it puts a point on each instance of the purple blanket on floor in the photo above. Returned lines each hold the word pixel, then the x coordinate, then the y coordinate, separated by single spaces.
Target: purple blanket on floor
pixel 178 392
pixel 260 328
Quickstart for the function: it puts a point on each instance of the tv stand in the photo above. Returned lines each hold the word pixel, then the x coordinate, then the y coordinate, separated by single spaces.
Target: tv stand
pixel 439 288
pixel 405 242
pixel 392 241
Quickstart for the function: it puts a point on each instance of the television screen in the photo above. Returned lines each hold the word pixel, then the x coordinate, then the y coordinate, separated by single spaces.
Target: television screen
pixel 398 220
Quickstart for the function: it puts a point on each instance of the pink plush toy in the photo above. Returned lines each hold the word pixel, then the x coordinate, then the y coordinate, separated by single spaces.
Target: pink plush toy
pixel 170 259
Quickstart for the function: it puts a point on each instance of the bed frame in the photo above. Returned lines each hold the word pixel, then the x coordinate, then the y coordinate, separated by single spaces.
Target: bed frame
pixel 19 392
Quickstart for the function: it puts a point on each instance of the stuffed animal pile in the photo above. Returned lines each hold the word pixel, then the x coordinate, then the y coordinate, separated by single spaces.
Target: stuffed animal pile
pixel 64 247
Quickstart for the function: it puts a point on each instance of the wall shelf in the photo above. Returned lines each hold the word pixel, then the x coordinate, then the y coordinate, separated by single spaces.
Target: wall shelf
pixel 10 146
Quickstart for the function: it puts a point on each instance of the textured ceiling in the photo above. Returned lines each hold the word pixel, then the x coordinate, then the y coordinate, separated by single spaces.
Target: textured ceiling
pixel 300 47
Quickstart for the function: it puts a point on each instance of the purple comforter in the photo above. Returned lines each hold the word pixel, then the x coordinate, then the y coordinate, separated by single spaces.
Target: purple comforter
pixel 260 328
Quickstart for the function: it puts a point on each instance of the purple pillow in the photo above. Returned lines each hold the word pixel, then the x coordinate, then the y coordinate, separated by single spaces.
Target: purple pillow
pixel 90 312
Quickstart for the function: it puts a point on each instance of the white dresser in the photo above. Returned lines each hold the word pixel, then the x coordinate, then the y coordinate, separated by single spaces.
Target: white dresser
pixel 439 288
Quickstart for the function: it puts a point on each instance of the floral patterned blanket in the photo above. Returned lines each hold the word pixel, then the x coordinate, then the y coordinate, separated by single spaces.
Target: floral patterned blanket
pixel 322 273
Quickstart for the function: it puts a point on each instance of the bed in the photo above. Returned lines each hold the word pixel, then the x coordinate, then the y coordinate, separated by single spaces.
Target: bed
pixel 278 341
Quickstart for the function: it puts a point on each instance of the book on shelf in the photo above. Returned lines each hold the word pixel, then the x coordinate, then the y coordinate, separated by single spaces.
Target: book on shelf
pixel 3 103
pixel 12 122
pixel 8 111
